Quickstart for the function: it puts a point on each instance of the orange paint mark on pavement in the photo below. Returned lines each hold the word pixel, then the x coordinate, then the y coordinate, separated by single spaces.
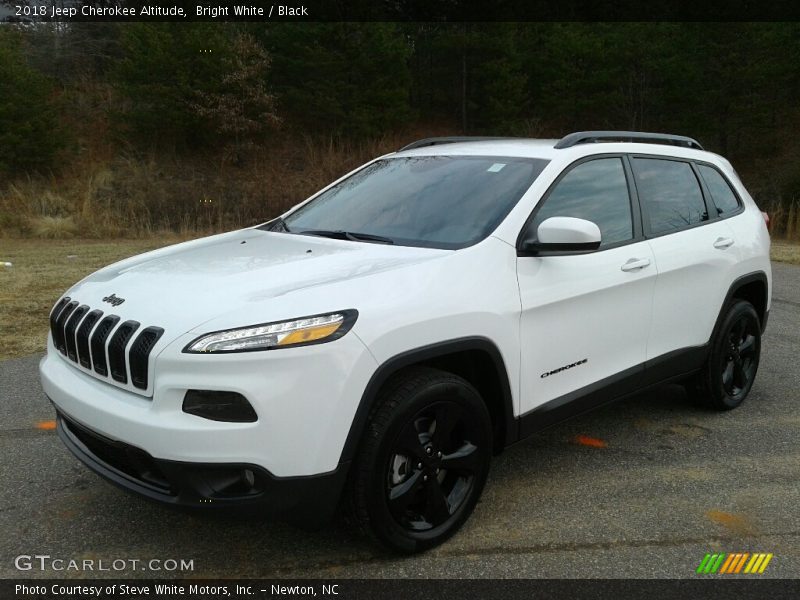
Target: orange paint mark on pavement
pixel 46 425
pixel 585 440
pixel 736 523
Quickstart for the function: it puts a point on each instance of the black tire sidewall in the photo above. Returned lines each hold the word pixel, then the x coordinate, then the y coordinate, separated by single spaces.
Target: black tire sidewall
pixel 382 522
pixel 718 397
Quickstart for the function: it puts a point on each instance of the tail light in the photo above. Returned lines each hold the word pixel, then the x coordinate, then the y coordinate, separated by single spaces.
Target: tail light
pixel 766 220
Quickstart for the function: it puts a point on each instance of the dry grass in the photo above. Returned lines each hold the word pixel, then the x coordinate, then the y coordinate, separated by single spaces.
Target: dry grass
pixel 788 252
pixel 40 273
pixel 784 216
pixel 57 228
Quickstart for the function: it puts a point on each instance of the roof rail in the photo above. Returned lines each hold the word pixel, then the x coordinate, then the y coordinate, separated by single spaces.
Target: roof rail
pixel 585 137
pixel 436 141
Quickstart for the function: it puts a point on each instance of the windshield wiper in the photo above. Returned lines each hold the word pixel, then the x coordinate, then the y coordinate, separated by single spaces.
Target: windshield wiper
pixel 348 235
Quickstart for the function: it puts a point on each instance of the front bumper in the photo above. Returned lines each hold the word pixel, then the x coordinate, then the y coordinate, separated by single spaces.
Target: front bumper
pixel 304 398
pixel 309 501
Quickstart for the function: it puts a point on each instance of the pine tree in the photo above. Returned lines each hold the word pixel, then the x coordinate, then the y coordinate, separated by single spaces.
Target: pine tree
pixel 163 70
pixel 30 136
pixel 348 79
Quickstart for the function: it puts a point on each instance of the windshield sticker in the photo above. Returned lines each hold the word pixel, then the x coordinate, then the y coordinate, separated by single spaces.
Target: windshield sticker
pixel 496 167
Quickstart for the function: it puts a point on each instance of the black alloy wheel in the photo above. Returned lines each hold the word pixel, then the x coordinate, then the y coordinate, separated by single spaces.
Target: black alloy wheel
pixel 741 362
pixel 424 460
pixel 433 466
pixel 729 373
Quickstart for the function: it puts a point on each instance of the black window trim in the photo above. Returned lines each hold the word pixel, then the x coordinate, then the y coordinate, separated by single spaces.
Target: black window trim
pixel 633 199
pixel 638 209
pixel 718 217
pixel 648 234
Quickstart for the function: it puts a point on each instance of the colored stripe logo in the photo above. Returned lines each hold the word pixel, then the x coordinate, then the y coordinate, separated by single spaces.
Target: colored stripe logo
pixel 734 563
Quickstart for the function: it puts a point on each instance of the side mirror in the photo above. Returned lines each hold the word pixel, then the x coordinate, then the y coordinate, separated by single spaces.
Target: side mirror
pixel 563 234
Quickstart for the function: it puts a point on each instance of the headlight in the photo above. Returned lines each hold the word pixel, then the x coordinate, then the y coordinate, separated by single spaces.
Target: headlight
pixel 297 332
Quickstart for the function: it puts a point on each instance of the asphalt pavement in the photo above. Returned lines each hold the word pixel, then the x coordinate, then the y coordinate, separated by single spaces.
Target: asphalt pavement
pixel 673 482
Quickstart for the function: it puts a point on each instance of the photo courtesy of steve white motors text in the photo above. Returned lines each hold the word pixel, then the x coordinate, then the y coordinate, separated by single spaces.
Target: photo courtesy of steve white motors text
pixel 124 590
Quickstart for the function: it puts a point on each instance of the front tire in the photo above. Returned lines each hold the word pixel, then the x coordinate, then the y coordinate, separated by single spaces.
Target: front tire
pixel 728 376
pixel 424 460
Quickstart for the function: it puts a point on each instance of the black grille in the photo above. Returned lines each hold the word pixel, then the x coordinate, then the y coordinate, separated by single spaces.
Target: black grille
pixel 140 354
pixel 116 350
pixel 98 344
pixel 54 317
pixel 58 330
pixel 83 337
pixel 70 328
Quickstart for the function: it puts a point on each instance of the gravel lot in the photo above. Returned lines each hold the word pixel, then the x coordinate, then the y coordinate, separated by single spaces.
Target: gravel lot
pixel 674 482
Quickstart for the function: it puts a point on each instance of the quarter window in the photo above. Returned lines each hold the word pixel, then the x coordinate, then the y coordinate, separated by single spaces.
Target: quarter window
pixel 670 194
pixel 596 191
pixel 721 193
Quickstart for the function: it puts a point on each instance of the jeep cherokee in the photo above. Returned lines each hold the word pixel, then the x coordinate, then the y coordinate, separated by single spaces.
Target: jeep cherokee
pixel 378 343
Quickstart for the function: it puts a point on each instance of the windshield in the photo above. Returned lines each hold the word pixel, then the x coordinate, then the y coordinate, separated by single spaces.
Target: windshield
pixel 433 201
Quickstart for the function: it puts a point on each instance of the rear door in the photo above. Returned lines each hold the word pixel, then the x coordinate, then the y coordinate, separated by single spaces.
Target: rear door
pixel 695 253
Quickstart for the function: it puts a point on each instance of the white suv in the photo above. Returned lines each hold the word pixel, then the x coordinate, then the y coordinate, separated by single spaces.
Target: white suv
pixel 379 342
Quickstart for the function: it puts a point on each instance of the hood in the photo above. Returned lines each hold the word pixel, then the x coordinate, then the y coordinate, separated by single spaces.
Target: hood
pixel 182 286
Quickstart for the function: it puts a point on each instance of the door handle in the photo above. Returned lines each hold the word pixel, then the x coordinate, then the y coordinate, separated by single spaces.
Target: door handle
pixel 635 264
pixel 723 243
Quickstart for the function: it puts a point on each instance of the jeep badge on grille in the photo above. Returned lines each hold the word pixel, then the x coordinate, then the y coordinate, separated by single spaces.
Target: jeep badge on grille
pixel 113 300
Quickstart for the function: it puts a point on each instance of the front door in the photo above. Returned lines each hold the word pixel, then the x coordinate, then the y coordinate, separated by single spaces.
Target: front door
pixel 585 316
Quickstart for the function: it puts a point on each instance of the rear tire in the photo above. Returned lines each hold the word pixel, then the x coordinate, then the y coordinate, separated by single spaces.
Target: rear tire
pixel 730 371
pixel 423 461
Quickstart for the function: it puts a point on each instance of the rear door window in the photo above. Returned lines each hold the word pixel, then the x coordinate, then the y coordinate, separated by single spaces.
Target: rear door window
pixel 670 194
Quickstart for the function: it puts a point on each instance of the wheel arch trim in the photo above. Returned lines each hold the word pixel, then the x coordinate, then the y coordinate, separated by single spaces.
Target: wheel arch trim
pixel 426 353
pixel 738 284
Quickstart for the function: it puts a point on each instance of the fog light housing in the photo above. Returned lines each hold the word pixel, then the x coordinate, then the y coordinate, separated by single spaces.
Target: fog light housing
pixel 215 405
